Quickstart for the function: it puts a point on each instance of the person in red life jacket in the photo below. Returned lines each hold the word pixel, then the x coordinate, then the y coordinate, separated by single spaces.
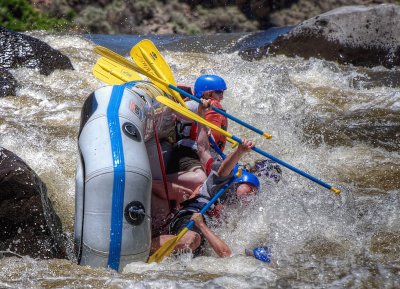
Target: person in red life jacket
pixel 185 168
pixel 212 87
pixel 221 173
pixel 207 87
pixel 184 157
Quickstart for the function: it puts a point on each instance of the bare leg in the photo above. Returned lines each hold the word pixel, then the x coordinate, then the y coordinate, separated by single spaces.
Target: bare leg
pixel 180 185
pixel 157 242
pixel 189 179
pixel 190 240
pixel 176 192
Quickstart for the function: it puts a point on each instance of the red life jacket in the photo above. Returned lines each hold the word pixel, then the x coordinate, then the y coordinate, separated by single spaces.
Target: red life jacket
pixel 211 116
pixel 220 121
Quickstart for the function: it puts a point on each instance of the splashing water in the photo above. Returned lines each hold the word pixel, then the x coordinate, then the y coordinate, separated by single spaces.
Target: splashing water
pixel 322 123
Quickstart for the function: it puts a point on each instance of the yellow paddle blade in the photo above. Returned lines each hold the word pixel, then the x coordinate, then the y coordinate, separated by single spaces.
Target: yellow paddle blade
pixel 108 53
pixel 193 116
pixel 111 55
pixel 105 76
pixel 166 249
pixel 146 55
pixel 140 60
pixel 111 72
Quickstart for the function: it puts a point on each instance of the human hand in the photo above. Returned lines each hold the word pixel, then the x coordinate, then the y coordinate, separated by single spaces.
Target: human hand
pixel 205 104
pixel 198 219
pixel 246 145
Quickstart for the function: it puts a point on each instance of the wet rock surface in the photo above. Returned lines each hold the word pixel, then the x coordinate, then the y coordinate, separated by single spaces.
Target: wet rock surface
pixel 8 83
pixel 359 35
pixel 20 50
pixel 29 225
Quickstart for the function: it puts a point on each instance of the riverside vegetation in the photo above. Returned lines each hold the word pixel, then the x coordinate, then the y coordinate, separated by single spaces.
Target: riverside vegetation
pixel 161 16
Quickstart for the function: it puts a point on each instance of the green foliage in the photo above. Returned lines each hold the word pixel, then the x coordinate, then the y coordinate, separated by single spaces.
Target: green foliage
pixel 19 15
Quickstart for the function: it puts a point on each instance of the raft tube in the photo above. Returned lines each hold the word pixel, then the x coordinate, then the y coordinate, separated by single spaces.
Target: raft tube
pixel 114 175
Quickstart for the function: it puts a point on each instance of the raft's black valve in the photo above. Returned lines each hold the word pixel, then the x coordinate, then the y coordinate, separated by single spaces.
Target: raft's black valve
pixel 135 213
pixel 131 131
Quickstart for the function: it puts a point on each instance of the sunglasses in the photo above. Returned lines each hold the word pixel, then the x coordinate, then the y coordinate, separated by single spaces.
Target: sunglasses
pixel 218 92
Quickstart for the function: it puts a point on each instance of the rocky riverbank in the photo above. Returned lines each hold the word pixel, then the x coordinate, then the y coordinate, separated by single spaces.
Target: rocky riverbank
pixel 360 35
pixel 187 16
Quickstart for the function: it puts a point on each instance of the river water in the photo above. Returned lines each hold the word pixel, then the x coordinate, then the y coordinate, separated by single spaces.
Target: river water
pixel 332 121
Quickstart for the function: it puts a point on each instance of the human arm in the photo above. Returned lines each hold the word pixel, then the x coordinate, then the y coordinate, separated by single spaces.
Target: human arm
pixel 203 144
pixel 218 245
pixel 233 158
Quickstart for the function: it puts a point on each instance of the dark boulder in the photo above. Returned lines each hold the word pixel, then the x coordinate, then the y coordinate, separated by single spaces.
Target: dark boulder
pixel 8 83
pixel 20 50
pixel 359 35
pixel 29 225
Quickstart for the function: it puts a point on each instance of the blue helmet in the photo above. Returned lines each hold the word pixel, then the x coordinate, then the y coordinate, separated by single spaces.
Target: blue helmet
pixel 208 82
pixel 246 177
pixel 261 253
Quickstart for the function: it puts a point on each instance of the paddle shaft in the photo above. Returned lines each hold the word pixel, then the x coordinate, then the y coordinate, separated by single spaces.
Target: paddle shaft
pixel 220 111
pixel 197 118
pixel 215 147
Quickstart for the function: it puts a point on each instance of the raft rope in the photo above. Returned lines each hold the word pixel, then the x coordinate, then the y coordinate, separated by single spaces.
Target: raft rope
pixel 161 159
pixel 117 152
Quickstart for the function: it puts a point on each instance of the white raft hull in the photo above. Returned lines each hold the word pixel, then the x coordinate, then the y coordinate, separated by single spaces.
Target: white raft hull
pixel 114 176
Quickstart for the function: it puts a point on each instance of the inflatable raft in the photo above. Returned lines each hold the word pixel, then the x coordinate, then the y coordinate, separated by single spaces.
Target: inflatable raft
pixel 118 159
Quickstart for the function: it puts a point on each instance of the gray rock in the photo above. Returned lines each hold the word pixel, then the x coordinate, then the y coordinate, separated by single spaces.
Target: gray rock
pixel 29 225
pixel 8 83
pixel 360 35
pixel 20 50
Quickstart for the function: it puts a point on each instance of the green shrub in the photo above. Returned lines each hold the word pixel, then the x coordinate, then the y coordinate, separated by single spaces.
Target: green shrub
pixel 19 15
